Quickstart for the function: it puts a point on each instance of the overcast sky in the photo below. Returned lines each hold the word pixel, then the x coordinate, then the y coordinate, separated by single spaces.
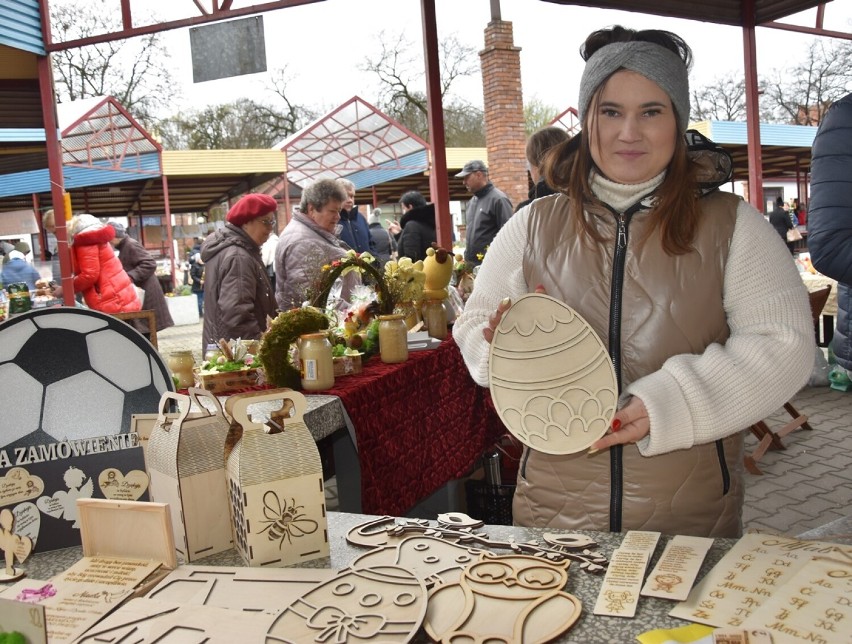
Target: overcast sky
pixel 324 43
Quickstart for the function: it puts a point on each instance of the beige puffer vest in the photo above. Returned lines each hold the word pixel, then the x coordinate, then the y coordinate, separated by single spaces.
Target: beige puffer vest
pixel 669 305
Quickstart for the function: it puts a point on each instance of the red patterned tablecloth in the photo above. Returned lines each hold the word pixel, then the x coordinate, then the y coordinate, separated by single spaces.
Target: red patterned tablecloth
pixel 419 424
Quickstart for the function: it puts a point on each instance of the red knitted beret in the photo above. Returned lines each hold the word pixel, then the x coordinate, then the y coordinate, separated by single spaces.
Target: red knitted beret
pixel 250 207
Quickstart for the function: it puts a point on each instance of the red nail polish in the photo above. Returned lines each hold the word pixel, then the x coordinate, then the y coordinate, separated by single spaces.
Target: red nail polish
pixel 616 424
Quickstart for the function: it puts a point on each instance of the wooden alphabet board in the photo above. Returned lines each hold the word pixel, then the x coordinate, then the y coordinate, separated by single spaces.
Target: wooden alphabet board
pixel 751 572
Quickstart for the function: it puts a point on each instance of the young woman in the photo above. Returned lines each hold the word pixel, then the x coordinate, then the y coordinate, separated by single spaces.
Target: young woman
pixel 694 295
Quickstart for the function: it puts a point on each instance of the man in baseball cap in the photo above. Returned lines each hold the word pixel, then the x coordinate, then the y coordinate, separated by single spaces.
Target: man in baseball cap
pixel 487 211
pixel 238 297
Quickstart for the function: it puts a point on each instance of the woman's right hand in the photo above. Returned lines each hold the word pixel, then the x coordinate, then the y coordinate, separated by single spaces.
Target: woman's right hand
pixel 494 319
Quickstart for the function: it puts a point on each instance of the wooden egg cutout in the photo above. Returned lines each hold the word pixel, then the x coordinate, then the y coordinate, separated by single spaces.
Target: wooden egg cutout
pixel 552 381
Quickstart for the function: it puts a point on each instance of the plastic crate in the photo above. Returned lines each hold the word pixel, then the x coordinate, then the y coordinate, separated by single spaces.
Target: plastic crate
pixel 490 503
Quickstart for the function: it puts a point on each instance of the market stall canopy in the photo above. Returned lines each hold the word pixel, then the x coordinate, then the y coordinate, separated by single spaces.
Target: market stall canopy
pixel 785 149
pixel 112 167
pixel 723 12
pixel 356 141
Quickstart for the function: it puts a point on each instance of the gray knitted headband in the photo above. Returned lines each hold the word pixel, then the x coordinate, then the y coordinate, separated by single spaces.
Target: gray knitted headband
pixel 653 61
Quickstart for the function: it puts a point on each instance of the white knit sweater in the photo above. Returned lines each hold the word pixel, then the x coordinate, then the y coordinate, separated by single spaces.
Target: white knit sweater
pixel 692 399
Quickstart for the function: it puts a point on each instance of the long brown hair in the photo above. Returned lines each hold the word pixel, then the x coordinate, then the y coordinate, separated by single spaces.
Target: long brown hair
pixel 568 166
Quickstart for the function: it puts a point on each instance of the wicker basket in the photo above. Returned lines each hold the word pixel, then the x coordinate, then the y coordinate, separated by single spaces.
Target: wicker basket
pixel 490 503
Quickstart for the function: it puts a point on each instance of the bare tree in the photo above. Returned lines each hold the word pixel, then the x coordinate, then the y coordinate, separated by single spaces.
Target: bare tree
pixel 722 100
pixel 537 115
pixel 135 71
pixel 402 88
pixel 242 124
pixel 800 94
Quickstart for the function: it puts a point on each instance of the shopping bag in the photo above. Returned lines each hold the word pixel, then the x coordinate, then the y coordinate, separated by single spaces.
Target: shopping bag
pixel 793 235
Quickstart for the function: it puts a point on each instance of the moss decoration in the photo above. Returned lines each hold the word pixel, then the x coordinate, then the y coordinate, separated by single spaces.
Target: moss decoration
pixel 363 264
pixel 274 354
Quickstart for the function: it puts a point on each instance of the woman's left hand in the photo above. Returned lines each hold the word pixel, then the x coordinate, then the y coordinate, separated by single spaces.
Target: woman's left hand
pixel 629 425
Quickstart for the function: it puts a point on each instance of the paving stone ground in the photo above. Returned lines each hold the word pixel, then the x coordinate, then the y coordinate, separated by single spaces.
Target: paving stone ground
pixel 803 487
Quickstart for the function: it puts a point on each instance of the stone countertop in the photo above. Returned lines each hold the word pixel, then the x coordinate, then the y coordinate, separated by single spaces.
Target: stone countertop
pixel 651 613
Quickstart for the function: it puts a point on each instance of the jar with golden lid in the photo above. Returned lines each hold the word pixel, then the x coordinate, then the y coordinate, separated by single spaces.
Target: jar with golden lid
pixel 182 365
pixel 435 318
pixel 317 364
pixel 393 338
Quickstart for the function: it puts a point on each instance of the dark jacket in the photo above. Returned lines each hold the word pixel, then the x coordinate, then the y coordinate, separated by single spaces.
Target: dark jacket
pixel 141 266
pixel 355 232
pixel 383 243
pixel 781 222
pixel 489 209
pixel 237 294
pixel 830 216
pixel 541 189
pixel 196 274
pixel 418 232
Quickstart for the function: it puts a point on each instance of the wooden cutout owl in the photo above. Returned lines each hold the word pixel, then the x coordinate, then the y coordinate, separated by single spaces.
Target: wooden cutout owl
pixel 379 604
pixel 435 561
pixel 511 598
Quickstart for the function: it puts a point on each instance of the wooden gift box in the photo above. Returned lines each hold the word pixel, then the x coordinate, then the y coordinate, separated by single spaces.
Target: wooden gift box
pixel 346 365
pixel 228 381
pixel 129 530
pixel 186 465
pixel 275 481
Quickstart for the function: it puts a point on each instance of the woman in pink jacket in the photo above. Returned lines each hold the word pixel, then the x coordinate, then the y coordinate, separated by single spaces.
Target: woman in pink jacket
pixel 98 273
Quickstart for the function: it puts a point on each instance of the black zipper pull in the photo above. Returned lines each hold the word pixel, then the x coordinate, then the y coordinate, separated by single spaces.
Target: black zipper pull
pixel 622 232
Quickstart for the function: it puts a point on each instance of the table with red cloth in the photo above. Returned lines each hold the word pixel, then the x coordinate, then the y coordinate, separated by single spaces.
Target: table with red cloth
pixel 417 425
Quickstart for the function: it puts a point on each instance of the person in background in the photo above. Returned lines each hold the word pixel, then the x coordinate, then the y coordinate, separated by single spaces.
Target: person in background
pixel 16 268
pixel 417 225
pixel 487 211
pixel 98 273
pixel 308 242
pixel 383 241
pixel 267 254
pixel 830 221
pixel 48 222
pixel 238 296
pixel 196 276
pixel 537 146
pixel 780 219
pixel 141 266
pixel 693 296
pixel 354 231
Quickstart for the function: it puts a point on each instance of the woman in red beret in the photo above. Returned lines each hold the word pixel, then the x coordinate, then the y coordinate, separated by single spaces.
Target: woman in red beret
pixel 238 298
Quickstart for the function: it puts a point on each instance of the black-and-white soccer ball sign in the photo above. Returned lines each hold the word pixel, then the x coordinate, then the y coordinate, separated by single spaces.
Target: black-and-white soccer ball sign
pixel 70 374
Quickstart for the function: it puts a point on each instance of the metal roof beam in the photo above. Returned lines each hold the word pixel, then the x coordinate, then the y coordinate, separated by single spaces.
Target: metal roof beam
pixel 223 12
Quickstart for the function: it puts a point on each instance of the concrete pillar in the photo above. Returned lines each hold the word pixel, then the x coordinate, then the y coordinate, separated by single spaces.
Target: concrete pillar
pixel 504 110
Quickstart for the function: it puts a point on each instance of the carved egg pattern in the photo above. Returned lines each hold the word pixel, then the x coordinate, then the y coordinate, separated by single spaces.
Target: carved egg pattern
pixel 552 381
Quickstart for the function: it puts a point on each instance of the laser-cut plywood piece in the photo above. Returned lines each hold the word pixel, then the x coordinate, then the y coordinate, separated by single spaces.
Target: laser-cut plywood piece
pixel 513 598
pixel 14 546
pixel 433 560
pixel 382 604
pixel 186 463
pixel 275 484
pixel 552 381
pixel 249 589
pixel 390 532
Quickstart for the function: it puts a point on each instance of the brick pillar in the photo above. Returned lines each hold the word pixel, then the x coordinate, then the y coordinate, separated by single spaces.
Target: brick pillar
pixel 504 111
